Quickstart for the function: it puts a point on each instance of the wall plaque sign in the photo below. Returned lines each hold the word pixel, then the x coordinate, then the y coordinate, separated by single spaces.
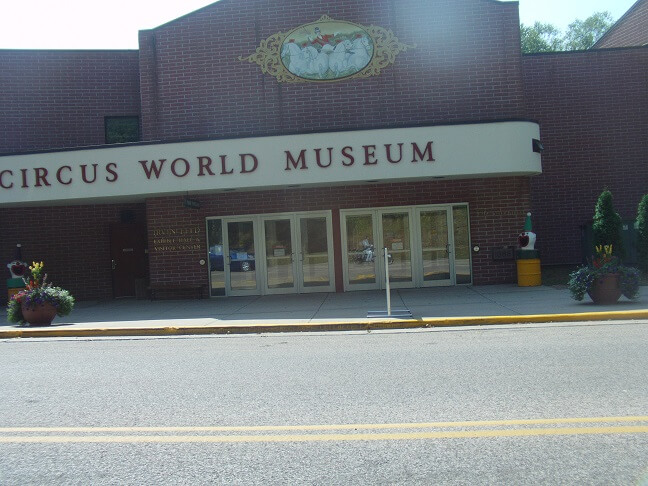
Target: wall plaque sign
pixel 327 50
pixel 177 239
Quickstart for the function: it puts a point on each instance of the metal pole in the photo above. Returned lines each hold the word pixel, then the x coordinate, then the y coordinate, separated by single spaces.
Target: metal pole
pixel 387 283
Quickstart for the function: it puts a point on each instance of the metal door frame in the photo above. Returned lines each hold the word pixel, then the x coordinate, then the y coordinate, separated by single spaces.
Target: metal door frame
pixel 377 228
pixel 227 260
pixel 258 222
pixel 416 244
pixel 449 247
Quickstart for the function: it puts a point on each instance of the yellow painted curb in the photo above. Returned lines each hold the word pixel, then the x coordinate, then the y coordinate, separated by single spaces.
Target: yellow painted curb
pixel 367 325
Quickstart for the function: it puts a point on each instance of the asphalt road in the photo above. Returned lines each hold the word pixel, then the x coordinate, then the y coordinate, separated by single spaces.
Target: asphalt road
pixel 391 408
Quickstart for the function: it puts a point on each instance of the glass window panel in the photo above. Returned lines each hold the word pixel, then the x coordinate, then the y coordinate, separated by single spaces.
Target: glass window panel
pixel 462 244
pixel 242 254
pixel 396 238
pixel 215 257
pixel 434 245
pixel 361 263
pixel 314 248
pixel 121 129
pixel 279 254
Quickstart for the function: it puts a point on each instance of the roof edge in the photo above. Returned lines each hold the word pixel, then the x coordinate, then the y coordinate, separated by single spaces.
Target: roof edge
pixel 177 19
pixel 616 24
pixel 584 51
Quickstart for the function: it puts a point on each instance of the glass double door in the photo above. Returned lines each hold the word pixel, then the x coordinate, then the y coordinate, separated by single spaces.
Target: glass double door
pixel 367 234
pixel 425 246
pixel 271 254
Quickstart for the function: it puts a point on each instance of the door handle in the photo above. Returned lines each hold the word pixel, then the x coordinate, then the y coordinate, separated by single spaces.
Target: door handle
pixel 113 264
pixel 448 248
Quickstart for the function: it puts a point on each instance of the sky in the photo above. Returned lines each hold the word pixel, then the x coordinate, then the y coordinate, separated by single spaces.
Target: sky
pixel 93 24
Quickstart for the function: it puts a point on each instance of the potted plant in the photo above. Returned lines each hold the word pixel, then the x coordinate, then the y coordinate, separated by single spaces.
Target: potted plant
pixel 40 302
pixel 604 279
pixel 607 225
pixel 642 234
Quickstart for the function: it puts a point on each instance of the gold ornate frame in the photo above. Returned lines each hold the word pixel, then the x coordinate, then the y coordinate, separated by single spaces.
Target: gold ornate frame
pixel 386 47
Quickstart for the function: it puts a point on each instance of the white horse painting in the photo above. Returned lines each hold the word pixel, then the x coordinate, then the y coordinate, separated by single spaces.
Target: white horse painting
pixel 338 59
pixel 299 64
pixel 360 53
pixel 327 61
pixel 319 63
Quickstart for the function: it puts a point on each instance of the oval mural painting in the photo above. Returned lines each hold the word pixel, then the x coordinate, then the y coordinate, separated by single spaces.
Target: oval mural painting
pixel 327 50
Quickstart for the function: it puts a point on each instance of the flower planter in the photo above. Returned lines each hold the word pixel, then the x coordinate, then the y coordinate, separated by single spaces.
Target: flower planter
pixel 605 289
pixel 26 307
pixel 41 315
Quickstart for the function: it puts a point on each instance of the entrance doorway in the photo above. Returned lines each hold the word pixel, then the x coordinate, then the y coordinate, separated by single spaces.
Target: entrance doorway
pixel 271 254
pixel 426 246
pixel 128 257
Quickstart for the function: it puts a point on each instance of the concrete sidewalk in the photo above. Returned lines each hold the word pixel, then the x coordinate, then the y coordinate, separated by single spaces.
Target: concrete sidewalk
pixel 441 306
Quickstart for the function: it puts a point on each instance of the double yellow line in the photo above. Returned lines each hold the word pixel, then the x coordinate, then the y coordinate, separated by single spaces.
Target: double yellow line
pixel 319 433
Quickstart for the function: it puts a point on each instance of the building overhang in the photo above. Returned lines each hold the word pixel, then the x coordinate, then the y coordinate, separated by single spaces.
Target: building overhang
pixel 137 172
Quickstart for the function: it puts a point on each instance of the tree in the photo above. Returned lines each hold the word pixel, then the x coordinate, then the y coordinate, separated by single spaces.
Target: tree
pixel 540 38
pixel 642 234
pixel 580 35
pixel 583 34
pixel 607 225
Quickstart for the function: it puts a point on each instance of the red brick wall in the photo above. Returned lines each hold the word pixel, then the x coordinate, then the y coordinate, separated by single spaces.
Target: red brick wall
pixel 630 30
pixel 72 241
pixel 56 99
pixel 497 209
pixel 593 112
pixel 466 66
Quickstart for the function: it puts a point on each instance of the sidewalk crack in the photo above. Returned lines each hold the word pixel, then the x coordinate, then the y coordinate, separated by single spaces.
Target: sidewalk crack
pixel 320 306
pixel 485 296
pixel 234 312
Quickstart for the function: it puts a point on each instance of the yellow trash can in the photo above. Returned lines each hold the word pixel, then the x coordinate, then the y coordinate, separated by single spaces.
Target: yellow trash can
pixel 528 272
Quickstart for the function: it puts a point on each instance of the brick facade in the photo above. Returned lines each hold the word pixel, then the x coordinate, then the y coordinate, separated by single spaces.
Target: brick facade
pixel 593 124
pixel 58 99
pixel 494 206
pixel 73 241
pixel 466 66
pixel 187 82
pixel 629 30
